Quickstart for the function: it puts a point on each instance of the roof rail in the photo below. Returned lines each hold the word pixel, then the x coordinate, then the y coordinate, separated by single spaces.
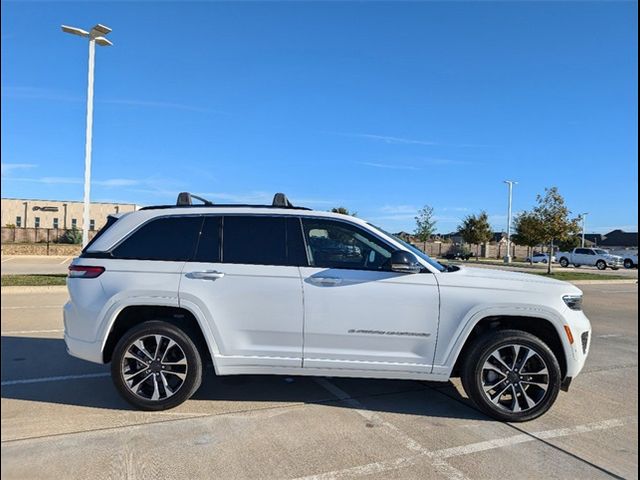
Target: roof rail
pixel 185 198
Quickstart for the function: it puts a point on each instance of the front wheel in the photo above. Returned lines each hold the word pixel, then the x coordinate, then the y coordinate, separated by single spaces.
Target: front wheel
pixel 601 265
pixel 511 375
pixel 156 366
pixel 564 263
pixel 628 263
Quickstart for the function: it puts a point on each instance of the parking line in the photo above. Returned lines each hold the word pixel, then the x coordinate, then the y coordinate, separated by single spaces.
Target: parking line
pixel 389 465
pixel 7 259
pixel 25 381
pixel 65 260
pixel 441 466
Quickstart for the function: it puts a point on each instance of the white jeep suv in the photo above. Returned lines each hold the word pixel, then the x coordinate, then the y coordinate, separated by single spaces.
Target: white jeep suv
pixel 289 291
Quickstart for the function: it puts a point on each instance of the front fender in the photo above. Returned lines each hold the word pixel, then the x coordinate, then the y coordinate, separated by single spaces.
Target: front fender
pixel 448 352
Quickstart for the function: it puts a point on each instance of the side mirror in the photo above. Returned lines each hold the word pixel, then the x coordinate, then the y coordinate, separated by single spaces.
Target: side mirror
pixel 402 261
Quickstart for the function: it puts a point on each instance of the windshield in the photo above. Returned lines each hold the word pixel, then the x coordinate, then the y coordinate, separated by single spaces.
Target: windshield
pixel 602 252
pixel 414 250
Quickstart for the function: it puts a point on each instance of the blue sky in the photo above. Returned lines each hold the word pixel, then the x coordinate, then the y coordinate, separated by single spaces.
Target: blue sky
pixel 380 107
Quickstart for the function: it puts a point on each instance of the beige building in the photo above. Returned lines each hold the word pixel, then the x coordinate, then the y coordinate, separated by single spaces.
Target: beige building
pixel 30 213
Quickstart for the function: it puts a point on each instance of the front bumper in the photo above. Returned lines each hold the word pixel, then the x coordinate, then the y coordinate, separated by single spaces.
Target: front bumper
pixel 578 351
pixel 615 263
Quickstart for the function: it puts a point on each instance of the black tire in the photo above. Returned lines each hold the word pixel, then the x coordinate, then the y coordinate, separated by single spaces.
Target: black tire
pixel 601 265
pixel 628 263
pixel 564 262
pixel 188 349
pixel 482 348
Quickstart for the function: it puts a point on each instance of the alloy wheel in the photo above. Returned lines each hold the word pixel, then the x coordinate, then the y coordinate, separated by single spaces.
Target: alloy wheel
pixel 515 378
pixel 154 367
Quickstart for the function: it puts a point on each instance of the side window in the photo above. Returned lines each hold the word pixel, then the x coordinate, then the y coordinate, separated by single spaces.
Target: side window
pixel 582 251
pixel 334 244
pixel 167 238
pixel 262 240
pixel 209 243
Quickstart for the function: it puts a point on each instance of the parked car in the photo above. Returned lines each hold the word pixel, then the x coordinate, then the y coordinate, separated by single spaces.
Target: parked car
pixel 540 258
pixel 629 258
pixel 595 257
pixel 281 290
pixel 458 256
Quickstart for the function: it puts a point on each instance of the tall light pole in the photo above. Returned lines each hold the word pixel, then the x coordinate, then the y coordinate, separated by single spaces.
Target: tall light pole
pixel 96 35
pixel 584 224
pixel 511 183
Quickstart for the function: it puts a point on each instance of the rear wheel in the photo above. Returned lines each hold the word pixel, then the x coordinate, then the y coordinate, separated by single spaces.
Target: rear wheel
pixel 156 366
pixel 628 263
pixel 511 375
pixel 564 262
pixel 601 265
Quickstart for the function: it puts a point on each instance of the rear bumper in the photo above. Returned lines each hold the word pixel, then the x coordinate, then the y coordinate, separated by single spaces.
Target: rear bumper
pixel 89 351
pixel 86 350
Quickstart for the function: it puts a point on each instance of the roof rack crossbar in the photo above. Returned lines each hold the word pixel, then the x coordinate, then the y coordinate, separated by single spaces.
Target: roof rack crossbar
pixel 186 198
pixel 281 200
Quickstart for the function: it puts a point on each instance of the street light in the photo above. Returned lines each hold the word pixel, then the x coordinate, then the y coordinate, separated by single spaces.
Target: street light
pixel 511 183
pixel 583 216
pixel 96 35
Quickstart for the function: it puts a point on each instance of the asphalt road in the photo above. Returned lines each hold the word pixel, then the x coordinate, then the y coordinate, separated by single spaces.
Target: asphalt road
pixel 62 418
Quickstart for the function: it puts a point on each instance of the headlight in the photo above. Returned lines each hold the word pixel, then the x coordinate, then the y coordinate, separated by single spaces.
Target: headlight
pixel 574 302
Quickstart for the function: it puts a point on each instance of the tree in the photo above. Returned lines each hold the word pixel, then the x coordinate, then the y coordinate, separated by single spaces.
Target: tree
pixel 553 215
pixel 425 223
pixel 72 236
pixel 528 228
pixel 343 211
pixel 475 229
pixel 569 243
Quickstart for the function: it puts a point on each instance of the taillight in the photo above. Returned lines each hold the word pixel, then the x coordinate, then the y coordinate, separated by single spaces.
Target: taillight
pixel 82 271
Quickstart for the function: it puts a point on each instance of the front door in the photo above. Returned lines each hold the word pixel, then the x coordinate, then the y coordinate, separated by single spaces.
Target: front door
pixel 358 314
pixel 245 280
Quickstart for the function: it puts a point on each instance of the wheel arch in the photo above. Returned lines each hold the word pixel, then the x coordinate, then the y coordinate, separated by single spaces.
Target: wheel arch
pixel 538 325
pixel 132 315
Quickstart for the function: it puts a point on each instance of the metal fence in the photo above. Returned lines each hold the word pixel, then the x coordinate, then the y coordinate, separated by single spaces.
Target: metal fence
pixel 40 235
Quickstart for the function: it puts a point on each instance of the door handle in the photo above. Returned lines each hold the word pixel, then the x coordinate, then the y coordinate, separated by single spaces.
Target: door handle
pixel 329 281
pixel 206 275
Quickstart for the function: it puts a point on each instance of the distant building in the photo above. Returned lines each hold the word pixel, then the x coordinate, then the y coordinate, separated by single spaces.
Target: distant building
pixel 620 239
pixel 32 213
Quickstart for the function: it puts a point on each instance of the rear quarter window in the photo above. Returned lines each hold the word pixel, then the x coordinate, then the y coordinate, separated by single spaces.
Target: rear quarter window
pixel 163 239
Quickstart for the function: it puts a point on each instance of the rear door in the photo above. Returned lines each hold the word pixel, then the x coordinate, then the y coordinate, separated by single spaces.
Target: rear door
pixel 245 280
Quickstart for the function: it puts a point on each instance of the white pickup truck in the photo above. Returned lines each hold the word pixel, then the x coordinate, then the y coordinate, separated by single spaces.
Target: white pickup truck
pixel 595 257
pixel 629 257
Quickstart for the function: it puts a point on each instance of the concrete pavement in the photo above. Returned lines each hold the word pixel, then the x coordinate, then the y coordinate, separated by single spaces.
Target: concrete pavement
pixel 61 417
pixel 27 264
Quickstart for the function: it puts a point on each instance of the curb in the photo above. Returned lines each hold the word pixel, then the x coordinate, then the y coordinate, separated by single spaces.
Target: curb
pixel 19 255
pixel 604 282
pixel 34 289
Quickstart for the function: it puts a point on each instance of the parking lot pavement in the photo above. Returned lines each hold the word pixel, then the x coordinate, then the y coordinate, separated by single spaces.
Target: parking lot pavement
pixel 61 417
pixel 27 264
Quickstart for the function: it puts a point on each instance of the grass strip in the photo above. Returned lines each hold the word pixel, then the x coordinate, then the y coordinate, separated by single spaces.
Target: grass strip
pixel 33 280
